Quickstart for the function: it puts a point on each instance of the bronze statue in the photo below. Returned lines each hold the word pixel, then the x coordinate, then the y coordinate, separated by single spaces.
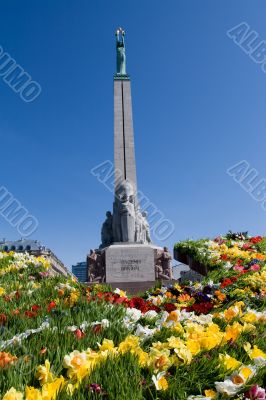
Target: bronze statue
pixel 120 52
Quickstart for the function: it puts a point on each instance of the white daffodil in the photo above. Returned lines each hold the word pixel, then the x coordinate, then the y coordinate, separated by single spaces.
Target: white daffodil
pixel 163 317
pixel 72 328
pixel 134 314
pixel 105 323
pixel 144 332
pixel 228 265
pixel 120 292
pixel 227 387
pixel 159 381
pixel 150 314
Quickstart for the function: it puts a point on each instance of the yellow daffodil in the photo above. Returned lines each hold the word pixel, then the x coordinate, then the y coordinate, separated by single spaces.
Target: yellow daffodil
pixel 174 342
pixel 228 362
pixel 13 394
pixel 210 393
pixel 246 372
pixel 159 381
pixel 71 388
pixel 129 343
pixel 193 346
pixel 143 357
pixel 2 291
pixel 232 332
pixel 32 393
pixel 243 375
pixel 106 345
pixel 77 365
pixel 159 360
pixel 249 317
pixel 50 390
pixel 173 316
pixel 43 373
pixel 255 354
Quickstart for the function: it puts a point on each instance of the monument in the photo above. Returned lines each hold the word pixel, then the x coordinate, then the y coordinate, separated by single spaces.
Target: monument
pixel 126 257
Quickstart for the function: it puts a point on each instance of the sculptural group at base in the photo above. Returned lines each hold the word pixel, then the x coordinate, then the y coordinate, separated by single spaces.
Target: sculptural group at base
pixel 133 262
pixel 96 266
pixel 163 268
pixel 127 224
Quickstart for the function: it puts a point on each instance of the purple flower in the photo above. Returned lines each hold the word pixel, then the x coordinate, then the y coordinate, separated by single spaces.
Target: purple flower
pixel 254 261
pixel 44 275
pixel 207 289
pixel 201 297
pixel 94 387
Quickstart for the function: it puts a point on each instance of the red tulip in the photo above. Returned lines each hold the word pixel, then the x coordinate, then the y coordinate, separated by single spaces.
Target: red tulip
pixel 79 334
pixel 43 350
pixel 97 329
pixel 3 319
pixel 35 307
pixel 51 306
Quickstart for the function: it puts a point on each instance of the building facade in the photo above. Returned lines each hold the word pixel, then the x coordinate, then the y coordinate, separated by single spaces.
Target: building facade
pixel 35 248
pixel 80 270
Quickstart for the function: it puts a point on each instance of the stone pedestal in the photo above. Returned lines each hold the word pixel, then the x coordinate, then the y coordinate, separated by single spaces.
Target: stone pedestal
pixel 130 263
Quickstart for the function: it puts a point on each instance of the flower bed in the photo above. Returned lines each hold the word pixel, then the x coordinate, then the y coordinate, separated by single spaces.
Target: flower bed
pixel 238 251
pixel 63 340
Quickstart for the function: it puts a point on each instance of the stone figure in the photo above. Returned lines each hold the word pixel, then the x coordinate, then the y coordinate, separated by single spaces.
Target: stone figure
pixel 146 236
pixel 127 213
pixel 125 188
pixel 159 273
pixel 166 263
pixel 103 266
pixel 120 52
pixel 96 266
pixel 116 227
pixel 138 226
pixel 124 213
pixel 91 264
pixel 116 222
pixel 128 223
pixel 107 230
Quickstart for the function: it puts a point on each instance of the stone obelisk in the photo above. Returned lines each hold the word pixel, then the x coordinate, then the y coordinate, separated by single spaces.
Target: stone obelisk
pixel 130 258
pixel 124 148
pixel 126 251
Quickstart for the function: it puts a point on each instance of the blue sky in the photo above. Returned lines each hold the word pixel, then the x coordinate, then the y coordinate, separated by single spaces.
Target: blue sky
pixel 198 105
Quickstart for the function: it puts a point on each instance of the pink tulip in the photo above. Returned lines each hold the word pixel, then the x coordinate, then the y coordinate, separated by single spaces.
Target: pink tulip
pixel 255 267
pixel 256 393
pixel 238 268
